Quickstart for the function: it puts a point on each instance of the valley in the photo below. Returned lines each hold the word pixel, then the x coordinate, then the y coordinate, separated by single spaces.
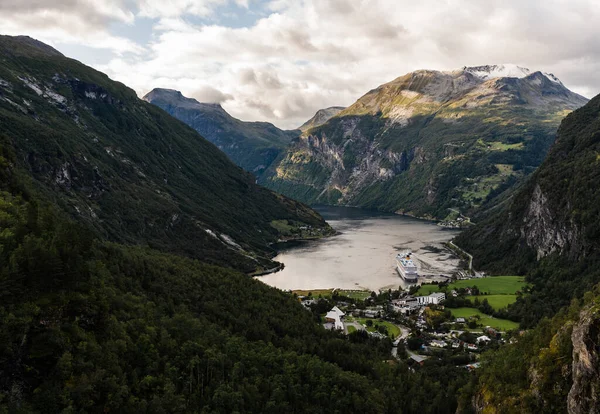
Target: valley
pixel 161 255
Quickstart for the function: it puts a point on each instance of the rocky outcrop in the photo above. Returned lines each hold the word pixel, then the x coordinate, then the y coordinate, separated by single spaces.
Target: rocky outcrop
pixel 584 396
pixel 320 117
pixel 542 228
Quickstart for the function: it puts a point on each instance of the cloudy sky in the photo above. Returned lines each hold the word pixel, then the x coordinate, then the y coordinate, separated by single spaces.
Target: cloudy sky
pixel 281 60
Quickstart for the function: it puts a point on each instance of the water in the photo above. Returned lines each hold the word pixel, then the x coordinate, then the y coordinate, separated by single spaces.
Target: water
pixel 363 255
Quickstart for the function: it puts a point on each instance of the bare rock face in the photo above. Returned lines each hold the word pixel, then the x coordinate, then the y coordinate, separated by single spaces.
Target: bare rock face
pixel 584 396
pixel 541 229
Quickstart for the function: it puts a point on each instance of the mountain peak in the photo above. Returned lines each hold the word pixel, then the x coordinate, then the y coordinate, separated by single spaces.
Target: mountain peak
pixel 320 117
pixel 25 45
pixel 487 72
pixel 175 97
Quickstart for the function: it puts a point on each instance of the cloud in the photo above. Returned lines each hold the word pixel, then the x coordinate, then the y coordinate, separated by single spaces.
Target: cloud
pixel 83 22
pixel 209 94
pixel 301 55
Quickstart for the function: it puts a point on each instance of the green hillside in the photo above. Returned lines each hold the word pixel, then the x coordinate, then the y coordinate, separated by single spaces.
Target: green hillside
pixel 92 319
pixel 128 169
pixel 251 145
pixel 549 229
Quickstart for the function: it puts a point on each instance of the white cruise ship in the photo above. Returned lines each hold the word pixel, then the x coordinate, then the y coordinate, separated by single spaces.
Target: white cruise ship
pixel 406 267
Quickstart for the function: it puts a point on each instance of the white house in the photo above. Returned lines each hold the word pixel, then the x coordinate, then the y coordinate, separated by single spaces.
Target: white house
pixel 335 316
pixel 483 338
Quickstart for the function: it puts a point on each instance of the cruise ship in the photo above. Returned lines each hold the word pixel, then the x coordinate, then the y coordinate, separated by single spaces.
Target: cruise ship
pixel 406 267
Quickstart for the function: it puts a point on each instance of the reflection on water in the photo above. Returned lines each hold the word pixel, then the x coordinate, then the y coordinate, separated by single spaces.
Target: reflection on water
pixel 363 254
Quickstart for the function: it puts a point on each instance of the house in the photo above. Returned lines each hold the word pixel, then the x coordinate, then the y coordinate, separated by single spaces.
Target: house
pixel 460 320
pixel 335 316
pixel 473 366
pixel 472 347
pixel 433 298
pixel 419 359
pixel 370 313
pixel 437 343
pixel 455 344
pixel 483 338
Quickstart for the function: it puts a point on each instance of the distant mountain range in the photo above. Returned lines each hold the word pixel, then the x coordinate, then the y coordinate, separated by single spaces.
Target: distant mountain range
pixel 428 142
pixel 251 145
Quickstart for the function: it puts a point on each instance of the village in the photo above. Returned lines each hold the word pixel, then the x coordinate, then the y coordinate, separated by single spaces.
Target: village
pixel 418 323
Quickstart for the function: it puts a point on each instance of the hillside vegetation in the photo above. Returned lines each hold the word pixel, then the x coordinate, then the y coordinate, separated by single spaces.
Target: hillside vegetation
pixel 129 170
pixel 251 145
pixel 93 319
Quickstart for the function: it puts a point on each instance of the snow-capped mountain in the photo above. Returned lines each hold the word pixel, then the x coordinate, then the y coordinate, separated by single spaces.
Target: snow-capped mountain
pixel 507 70
pixel 429 141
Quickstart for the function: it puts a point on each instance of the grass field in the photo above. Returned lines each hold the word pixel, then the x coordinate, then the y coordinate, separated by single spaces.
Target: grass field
pixel 485 320
pixel 351 329
pixel 393 330
pixel 326 293
pixel 356 294
pixel 425 290
pixel 494 285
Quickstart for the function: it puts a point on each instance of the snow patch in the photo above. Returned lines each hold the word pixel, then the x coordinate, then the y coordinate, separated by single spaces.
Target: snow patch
pixel 47 93
pixel 552 78
pixel 32 85
pixel 55 96
pixel 230 241
pixel 91 95
pixel 498 71
pixel 4 83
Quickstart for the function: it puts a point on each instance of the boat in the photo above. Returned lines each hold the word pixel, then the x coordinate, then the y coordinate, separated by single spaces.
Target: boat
pixel 406 267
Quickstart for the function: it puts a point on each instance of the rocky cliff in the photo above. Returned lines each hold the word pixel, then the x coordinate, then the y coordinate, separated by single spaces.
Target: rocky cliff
pixel 584 396
pixel 429 141
pixel 553 368
pixel 251 145
pixel 556 211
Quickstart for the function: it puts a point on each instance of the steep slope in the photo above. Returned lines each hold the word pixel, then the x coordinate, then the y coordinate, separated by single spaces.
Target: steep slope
pixel 551 227
pixel 429 141
pixel 251 145
pixel 128 169
pixel 320 117
pixel 92 326
pixel 550 369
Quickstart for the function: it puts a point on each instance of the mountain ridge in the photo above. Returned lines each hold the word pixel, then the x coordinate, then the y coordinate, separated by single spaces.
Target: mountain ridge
pixel 251 145
pixel 426 142
pixel 130 171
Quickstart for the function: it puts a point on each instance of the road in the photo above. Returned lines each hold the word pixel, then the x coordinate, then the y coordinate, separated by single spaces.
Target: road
pixel 470 256
pixel 404 332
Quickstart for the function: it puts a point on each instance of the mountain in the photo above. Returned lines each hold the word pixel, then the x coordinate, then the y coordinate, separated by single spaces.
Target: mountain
pixel 550 229
pixel 110 299
pixel 429 142
pixel 320 117
pixel 251 145
pixel 129 170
